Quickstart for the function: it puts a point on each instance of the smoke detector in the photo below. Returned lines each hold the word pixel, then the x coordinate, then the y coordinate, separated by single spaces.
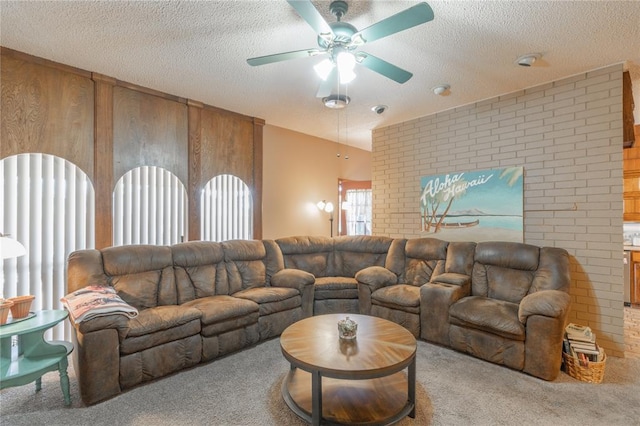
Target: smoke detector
pixel 528 59
pixel 442 90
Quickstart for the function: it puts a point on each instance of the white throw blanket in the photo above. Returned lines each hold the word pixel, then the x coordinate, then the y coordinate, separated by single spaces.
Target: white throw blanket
pixel 94 301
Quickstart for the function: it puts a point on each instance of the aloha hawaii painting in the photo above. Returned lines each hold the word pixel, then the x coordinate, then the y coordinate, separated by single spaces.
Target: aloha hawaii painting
pixel 484 205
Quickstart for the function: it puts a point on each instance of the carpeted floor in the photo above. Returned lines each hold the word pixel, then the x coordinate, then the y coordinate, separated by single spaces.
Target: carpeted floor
pixel 243 389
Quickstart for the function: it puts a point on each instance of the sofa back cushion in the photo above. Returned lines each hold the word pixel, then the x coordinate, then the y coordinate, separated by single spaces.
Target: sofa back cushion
pixel 245 264
pixel 424 258
pixel 141 274
pixel 553 270
pixel 460 256
pixel 354 253
pixel 199 269
pixel 311 254
pixel 504 270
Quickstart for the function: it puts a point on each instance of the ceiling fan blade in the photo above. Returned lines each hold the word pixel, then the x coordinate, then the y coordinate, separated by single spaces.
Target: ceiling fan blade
pixel 309 13
pixel 327 86
pixel 415 15
pixel 383 67
pixel 279 57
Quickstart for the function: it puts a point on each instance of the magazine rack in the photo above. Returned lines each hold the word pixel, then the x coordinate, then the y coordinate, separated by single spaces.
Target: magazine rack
pixel 593 372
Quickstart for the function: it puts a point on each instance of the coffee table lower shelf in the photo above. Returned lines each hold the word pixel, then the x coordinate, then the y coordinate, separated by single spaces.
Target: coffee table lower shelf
pixel 379 401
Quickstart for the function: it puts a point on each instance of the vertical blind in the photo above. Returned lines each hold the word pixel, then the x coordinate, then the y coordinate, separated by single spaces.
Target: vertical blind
pixel 226 210
pixel 359 211
pixel 47 205
pixel 149 207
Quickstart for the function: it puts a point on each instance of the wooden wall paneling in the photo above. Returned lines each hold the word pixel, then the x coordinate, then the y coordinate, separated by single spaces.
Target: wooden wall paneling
pixel 46 107
pixel 258 127
pixel 227 145
pixel 149 130
pixel 196 184
pixel 104 181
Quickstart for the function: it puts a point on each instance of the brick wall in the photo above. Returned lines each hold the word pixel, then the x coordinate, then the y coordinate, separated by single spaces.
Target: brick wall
pixel 568 137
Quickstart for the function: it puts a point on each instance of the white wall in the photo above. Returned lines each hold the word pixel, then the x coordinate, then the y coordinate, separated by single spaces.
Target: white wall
pixel 298 171
pixel 567 135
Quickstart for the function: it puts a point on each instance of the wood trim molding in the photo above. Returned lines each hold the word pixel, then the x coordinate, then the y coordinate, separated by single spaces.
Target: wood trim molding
pixel 628 138
pixel 258 127
pixel 44 62
pixel 152 92
pixel 195 183
pixel 103 161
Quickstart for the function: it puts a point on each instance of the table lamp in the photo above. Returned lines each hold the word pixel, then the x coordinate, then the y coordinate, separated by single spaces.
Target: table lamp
pixel 10 248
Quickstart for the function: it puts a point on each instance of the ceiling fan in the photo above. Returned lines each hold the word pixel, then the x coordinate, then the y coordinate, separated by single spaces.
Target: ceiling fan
pixel 341 41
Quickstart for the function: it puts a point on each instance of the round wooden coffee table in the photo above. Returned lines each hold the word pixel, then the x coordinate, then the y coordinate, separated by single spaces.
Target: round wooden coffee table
pixel 349 381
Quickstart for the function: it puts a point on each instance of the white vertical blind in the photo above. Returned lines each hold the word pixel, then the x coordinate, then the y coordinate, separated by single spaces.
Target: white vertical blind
pixel 226 210
pixel 48 205
pixel 149 207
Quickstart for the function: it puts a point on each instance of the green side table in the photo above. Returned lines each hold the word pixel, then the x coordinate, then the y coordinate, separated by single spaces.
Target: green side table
pixel 34 356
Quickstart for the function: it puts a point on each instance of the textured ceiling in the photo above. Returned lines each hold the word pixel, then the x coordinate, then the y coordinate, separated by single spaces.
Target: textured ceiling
pixel 198 50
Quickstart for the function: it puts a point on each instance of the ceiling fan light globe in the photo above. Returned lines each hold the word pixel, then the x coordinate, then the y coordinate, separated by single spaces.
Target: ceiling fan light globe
pixel 323 69
pixel 347 76
pixel 346 61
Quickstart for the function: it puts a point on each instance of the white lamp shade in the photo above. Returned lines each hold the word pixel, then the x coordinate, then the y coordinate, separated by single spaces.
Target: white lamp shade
pixel 329 207
pixel 323 69
pixel 346 62
pixel 10 248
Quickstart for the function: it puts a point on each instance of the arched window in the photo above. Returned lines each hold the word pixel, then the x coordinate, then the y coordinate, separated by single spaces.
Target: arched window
pixel 47 203
pixel 149 207
pixel 226 210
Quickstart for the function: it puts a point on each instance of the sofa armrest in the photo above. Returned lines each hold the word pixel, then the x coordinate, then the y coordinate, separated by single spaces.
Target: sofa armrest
pixel 435 300
pixel 548 303
pixel 293 278
pixel 544 314
pixel 96 360
pixel 452 278
pixel 118 322
pixel 301 280
pixel 376 277
pixel 369 280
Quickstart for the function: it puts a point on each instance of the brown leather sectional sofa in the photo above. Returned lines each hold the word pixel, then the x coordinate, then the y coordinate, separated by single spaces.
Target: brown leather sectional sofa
pixel 504 302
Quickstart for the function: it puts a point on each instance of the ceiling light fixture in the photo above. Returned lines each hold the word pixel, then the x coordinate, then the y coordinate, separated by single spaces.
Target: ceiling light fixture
pixel 528 59
pixel 442 90
pixel 336 101
pixel 341 58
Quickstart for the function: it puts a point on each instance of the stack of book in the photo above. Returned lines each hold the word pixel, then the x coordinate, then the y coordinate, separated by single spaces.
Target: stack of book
pixel 580 343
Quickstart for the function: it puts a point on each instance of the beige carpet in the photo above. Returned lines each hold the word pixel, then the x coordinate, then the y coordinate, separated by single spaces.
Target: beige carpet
pixel 244 389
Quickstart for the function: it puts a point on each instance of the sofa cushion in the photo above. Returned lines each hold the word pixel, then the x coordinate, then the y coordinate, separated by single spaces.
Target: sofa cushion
pixel 199 269
pixel 335 288
pixel 354 253
pixel 142 274
pixel 402 296
pixel 245 264
pixel 309 254
pixel 504 270
pixel 496 282
pixel 272 299
pixel 490 315
pixel 159 325
pixel 224 313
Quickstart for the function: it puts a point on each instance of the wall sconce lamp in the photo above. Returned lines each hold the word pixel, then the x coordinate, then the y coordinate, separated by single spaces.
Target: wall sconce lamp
pixel 10 248
pixel 327 207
